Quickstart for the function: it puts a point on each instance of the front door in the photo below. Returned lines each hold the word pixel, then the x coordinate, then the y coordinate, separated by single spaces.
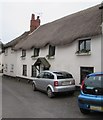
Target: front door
pixel 84 71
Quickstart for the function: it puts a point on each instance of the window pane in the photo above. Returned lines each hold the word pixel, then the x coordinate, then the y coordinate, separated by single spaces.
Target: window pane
pixel 81 45
pixel 63 75
pixel 34 72
pixel 23 52
pixel 12 68
pixel 88 45
pixel 94 81
pixel 25 70
pixel 51 50
pixel 36 52
pixel 84 45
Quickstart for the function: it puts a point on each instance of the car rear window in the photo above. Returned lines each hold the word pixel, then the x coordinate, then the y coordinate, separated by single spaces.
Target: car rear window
pixel 94 81
pixel 63 75
pixel 94 85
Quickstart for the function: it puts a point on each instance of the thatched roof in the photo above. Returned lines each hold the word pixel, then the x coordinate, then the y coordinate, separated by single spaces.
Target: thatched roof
pixel 16 40
pixel 85 23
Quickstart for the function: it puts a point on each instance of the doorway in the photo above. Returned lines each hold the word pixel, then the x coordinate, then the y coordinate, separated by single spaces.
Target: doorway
pixel 84 71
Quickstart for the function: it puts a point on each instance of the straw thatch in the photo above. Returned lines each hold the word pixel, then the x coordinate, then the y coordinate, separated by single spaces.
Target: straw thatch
pixel 85 23
pixel 16 40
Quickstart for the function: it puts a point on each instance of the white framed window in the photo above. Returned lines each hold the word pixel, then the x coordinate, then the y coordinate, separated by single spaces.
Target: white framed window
pixel 6 67
pixel 84 45
pixel 12 68
pixel 23 53
pixel 6 52
pixel 24 73
pixel 34 71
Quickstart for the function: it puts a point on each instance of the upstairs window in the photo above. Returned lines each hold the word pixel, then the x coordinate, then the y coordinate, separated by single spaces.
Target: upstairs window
pixel 84 45
pixel 12 51
pixel 23 53
pixel 36 52
pixel 6 52
pixel 25 70
pixel 51 50
pixel 12 68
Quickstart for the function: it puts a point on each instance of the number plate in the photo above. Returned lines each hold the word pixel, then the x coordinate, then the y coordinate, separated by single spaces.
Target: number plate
pixel 66 83
pixel 96 108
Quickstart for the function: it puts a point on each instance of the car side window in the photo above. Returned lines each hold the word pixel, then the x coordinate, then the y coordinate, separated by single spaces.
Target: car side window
pixel 40 75
pixel 48 75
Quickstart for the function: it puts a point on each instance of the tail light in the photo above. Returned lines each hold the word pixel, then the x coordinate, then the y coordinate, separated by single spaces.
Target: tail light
pixel 82 85
pixel 55 83
pixel 73 82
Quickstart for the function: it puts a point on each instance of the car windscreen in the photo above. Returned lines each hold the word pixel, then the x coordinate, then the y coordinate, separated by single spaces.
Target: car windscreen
pixel 94 81
pixel 63 75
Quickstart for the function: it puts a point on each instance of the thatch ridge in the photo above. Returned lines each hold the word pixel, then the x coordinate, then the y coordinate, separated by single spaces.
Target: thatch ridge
pixel 85 23
pixel 12 43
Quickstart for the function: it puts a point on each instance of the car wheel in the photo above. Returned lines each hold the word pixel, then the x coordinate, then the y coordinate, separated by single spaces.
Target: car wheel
pixel 50 93
pixel 34 87
pixel 84 111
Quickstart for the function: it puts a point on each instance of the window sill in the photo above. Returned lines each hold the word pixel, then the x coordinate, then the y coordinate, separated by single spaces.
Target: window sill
pixel 24 75
pixel 34 57
pixel 83 53
pixel 23 57
pixel 50 57
pixel 33 76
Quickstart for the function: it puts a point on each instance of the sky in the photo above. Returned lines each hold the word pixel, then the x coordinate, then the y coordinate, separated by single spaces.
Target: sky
pixel 15 15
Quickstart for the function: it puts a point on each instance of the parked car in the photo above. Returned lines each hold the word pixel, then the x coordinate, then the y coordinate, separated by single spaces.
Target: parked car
pixel 91 95
pixel 54 82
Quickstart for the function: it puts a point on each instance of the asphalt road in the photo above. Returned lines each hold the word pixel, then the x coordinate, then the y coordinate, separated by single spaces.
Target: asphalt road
pixel 0 95
pixel 20 101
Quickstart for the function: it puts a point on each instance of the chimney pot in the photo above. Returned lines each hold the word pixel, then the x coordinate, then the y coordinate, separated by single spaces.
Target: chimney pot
pixel 33 17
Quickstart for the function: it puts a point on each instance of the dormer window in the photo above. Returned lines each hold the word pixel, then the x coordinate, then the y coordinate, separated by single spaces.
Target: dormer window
pixel 36 52
pixel 6 52
pixel 51 50
pixel 85 45
pixel 23 53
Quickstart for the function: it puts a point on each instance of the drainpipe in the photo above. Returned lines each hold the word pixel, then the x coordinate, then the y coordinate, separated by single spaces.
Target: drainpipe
pixel 101 8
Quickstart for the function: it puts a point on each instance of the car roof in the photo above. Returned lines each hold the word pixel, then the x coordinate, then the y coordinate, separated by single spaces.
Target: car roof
pixel 94 74
pixel 56 72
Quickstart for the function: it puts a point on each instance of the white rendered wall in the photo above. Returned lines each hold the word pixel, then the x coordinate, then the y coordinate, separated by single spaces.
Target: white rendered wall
pixel 65 59
pixel 1 57
pixel 10 59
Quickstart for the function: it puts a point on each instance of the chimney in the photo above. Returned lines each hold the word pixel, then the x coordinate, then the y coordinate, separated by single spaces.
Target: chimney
pixel 34 23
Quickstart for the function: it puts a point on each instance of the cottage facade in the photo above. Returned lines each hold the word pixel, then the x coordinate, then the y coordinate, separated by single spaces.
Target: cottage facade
pixel 72 44
pixel 65 59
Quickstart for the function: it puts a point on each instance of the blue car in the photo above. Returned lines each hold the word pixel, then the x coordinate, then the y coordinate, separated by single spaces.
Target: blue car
pixel 91 95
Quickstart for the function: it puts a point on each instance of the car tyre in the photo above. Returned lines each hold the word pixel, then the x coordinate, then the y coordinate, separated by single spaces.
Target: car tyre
pixel 84 111
pixel 34 87
pixel 50 93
